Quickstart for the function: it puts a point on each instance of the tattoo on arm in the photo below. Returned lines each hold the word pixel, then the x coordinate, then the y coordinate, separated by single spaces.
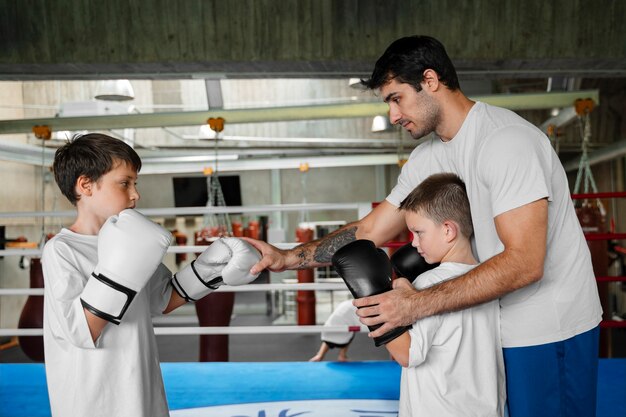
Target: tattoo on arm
pixel 331 244
pixel 303 259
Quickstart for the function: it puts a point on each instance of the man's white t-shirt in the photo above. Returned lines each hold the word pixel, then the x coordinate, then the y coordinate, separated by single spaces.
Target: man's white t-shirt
pixel 506 162
pixel 455 366
pixel 120 374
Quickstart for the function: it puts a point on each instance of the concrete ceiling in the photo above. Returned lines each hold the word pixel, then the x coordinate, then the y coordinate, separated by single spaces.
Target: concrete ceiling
pixel 503 41
pixel 69 39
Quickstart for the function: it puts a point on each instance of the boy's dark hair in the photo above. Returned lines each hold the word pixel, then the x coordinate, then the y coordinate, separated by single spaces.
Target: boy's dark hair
pixel 442 197
pixel 91 155
pixel 406 59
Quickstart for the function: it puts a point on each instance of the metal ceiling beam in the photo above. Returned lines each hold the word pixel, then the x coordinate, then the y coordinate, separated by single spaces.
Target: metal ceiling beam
pixel 608 153
pixel 195 118
pixel 565 116
pixel 26 154
pixel 178 162
pixel 274 163
pixel 300 140
pixel 527 101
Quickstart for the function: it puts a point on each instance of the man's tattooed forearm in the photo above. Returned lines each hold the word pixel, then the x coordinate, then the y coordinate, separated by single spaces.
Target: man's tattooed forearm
pixel 303 261
pixel 327 247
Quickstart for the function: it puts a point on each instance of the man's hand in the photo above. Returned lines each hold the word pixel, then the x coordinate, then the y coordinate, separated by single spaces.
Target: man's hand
pixel 392 309
pixel 273 258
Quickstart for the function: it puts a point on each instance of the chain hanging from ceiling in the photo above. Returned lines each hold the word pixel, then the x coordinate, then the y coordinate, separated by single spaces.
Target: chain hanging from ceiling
pixel 218 223
pixel 583 110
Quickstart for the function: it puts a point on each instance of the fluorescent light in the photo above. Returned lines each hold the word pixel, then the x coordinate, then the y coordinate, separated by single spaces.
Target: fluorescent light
pixel 296 139
pixel 189 158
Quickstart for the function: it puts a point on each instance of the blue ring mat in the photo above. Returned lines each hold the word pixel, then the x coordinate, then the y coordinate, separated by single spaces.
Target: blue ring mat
pixel 23 389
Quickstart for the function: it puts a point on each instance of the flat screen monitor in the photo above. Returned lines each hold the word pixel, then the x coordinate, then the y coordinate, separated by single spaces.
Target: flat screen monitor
pixel 193 191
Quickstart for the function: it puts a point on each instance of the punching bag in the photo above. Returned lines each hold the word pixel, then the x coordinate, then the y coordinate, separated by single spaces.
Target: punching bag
pixel 32 315
pixel 593 221
pixel 181 240
pixel 213 310
pixel 305 299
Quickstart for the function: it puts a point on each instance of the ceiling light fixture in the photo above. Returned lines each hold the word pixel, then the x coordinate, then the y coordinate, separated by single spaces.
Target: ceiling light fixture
pixel 114 90
pixel 381 124
pixel 356 84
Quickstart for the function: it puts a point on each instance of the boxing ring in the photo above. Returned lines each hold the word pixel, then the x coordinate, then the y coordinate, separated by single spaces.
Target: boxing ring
pixel 262 389
pixel 219 389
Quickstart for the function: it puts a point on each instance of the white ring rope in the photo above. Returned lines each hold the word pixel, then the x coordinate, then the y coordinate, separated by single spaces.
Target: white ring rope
pixel 190 211
pixel 331 286
pixel 21 252
pixel 172 331
pixel 172 249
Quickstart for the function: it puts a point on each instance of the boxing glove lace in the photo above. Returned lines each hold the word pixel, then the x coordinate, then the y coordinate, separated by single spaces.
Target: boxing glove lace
pixel 130 249
pixel 366 271
pixel 226 261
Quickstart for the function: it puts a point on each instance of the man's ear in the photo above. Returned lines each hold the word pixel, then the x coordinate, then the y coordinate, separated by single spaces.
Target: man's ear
pixel 451 230
pixel 431 80
pixel 84 186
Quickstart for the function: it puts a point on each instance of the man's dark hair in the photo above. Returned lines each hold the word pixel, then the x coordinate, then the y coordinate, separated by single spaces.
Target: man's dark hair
pixel 406 59
pixel 91 155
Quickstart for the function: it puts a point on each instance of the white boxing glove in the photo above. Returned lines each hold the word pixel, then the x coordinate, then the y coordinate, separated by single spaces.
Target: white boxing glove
pixel 237 271
pixel 130 249
pixel 225 261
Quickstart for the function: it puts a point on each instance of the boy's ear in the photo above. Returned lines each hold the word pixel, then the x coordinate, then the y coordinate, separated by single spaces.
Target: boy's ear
pixel 84 186
pixel 451 230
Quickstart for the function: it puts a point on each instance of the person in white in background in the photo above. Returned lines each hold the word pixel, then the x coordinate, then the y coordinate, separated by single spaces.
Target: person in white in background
pixel 343 315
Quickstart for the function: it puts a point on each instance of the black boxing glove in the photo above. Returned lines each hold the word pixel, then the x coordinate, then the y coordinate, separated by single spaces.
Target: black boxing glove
pixel 366 271
pixel 408 263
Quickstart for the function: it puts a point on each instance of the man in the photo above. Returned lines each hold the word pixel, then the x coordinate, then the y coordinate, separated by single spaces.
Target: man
pixel 533 254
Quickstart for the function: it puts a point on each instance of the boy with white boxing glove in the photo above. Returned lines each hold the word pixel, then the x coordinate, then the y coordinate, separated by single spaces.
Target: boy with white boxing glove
pixel 104 281
pixel 130 249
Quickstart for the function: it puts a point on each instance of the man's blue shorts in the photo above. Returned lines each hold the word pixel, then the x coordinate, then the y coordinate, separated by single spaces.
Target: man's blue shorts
pixel 553 380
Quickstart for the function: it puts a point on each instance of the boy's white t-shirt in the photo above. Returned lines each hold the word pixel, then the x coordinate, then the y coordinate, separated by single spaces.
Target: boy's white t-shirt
pixel 506 163
pixel 455 366
pixel 118 376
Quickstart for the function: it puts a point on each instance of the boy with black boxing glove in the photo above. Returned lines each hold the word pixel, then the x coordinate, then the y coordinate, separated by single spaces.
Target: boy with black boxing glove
pixel 452 363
